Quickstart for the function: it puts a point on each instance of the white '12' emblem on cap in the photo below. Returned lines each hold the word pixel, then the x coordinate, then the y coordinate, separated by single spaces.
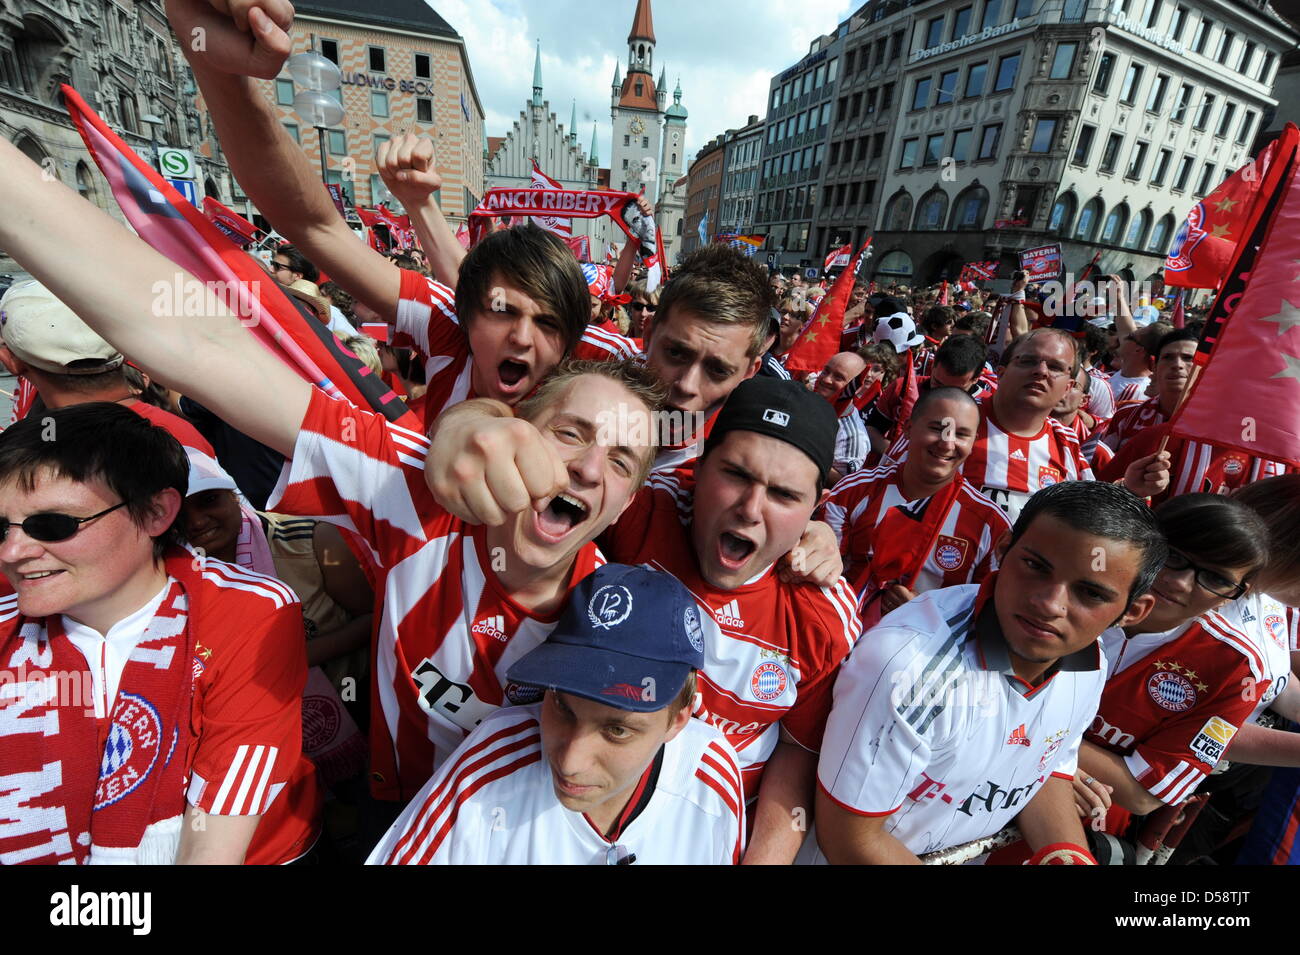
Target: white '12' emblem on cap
pixel 776 417
pixel 609 606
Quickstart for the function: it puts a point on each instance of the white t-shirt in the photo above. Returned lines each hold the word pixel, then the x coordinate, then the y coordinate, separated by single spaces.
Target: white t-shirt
pixel 1136 387
pixel 493 803
pixel 107 654
pixel 931 727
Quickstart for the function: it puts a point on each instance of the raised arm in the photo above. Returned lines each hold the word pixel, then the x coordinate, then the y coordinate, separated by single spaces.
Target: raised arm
pixel 407 167
pixel 210 357
pixel 270 166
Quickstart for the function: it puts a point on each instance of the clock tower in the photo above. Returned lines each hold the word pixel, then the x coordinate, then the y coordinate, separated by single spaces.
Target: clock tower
pixel 637 110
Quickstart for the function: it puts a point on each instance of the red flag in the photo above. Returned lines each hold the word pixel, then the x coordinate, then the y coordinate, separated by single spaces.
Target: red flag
pixel 838 256
pixel 580 246
pixel 1179 317
pixel 820 338
pixel 173 227
pixel 236 227
pixel 1247 395
pixel 559 225
pixel 943 293
pixel 1209 238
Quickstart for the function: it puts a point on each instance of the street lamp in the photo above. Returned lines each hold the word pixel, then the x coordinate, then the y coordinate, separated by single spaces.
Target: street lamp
pixel 317 78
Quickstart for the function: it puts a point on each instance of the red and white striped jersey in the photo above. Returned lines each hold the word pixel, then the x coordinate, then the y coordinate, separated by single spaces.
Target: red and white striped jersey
pixel 1129 420
pixel 427 322
pixel 1128 390
pixel 1271 628
pixel 932 728
pixel 962 551
pixel 448 630
pixel 494 803
pixel 771 649
pixel 1100 400
pixel 1009 469
pixel 1174 700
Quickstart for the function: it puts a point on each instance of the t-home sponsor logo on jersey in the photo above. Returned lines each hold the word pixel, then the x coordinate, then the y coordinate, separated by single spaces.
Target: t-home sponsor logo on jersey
pixel 77 908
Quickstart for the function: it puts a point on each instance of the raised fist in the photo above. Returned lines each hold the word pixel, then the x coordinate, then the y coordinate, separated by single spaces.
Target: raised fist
pixel 406 165
pixel 244 37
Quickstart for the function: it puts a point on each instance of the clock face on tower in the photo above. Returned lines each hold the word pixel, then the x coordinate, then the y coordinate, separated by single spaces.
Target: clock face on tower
pixel 676 136
pixel 636 127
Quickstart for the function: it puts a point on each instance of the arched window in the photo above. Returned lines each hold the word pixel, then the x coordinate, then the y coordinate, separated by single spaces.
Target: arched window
pixel 1062 214
pixel 1161 234
pixel 931 210
pixel 126 107
pixel 897 264
pixel 1137 232
pixel 969 209
pixel 1115 223
pixel 85 184
pixel 1089 219
pixel 898 214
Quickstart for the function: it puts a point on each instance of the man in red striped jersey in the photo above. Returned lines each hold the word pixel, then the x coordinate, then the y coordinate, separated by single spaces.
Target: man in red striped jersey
pixel 593 774
pixel 946 531
pixel 1175 356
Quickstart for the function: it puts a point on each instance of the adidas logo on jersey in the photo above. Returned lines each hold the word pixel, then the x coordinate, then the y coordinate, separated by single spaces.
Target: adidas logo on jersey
pixel 1018 737
pixel 1018 455
pixel 494 627
pixel 729 615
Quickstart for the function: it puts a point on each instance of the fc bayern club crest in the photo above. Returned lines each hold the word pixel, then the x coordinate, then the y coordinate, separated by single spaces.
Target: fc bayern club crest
pixel 1172 691
pixel 134 742
pixel 1189 235
pixel 1275 624
pixel 950 552
pixel 768 682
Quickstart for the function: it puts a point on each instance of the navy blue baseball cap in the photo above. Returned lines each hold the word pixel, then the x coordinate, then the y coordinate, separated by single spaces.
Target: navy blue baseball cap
pixel 628 638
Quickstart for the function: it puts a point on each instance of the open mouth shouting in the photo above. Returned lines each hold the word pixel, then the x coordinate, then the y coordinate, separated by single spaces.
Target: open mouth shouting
pixel 512 376
pixel 560 517
pixel 734 550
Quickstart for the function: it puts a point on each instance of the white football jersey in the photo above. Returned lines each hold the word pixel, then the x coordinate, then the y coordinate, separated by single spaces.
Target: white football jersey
pixel 931 727
pixel 493 803
pixel 1265 623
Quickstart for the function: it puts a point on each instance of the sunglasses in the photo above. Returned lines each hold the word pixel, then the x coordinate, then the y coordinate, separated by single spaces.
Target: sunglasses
pixel 49 528
pixel 638 306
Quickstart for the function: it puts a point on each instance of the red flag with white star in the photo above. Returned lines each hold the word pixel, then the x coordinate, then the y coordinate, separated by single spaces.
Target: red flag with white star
pixel 1209 238
pixel 1247 395
pixel 820 338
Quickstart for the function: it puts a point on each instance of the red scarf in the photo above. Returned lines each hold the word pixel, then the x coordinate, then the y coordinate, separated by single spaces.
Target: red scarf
pixel 78 789
pixel 905 535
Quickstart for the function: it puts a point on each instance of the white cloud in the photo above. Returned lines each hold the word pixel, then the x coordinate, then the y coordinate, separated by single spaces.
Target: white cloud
pixel 724 51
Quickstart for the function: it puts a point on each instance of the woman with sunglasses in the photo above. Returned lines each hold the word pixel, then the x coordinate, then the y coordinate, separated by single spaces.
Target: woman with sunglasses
pixel 1174 692
pixel 641 310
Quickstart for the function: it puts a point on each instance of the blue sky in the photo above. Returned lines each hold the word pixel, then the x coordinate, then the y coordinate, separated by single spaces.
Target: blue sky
pixel 725 52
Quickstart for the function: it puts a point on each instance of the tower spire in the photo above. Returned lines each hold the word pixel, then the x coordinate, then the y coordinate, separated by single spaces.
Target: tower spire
pixel 594 160
pixel 643 27
pixel 537 76
pixel 573 125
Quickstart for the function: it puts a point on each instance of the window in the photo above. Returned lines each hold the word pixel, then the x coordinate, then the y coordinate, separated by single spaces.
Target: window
pixel 284 92
pixel 785 164
pixel 862 148
pixel 895 46
pixel 771 136
pixel 989 141
pixel 376 55
pixel 293 131
pixel 1179 22
pixel 1023 8
pixel 1162 167
pixel 1207 179
pixel 1115 223
pixel 877 145
pixel 780 129
pixel 992 14
pixel 1266 68
pixel 1160 236
pixel 1137 160
pixel 624 163
pixel 933 33
pixel 1184 170
pixel 1132 80
pixel 1247 54
pixel 807 82
pixel 1083 146
pixel 921 94
pixel 795 164
pixel 800 124
pixel 1063 61
pixel 832 70
pixel 1044 134
pixel 423 109
pixel 330 50
pixel 1153 14
pixel 947 87
pixel 1157 97
pixel 337 140
pixel 627 140
pixel 1087 227
pixel 971 206
pixel 378 103
pixel 975 78
pixel 933 149
pixel 1225 45
pixel 776 98
pixel 930 213
pixel 1105 67
pixel 886 96
pixel 1246 122
pixel 645 142
pixel 1073 11
pixel 869 191
pixel 820 77
pixel 908 158
pixel 961 23
pixel 1203 114
pixel 1202 35
pixel 871 100
pixel 380 139
pixel 1008 67
pixel 1110 155
pixel 1225 121
pixel 961 144
pixel 1180 105
pixel 818 153
pixel 826 113
pixel 423 68
pixel 1062 215
pixel 1137 232
pixel 335 178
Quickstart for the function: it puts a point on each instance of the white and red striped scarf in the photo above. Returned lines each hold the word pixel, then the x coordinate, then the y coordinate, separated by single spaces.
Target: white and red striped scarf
pixel 55 805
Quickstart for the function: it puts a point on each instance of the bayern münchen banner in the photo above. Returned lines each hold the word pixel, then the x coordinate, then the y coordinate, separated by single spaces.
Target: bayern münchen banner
pixel 1041 263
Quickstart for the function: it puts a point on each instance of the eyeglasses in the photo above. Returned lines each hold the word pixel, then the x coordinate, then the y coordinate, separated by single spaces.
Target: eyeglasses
pixel 282 266
pixel 49 528
pixel 638 306
pixel 1055 369
pixel 1207 580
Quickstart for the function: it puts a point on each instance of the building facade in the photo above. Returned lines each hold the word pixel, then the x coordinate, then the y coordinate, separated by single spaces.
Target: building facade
pixel 124 61
pixel 404 69
pixel 741 164
pixel 703 192
pixel 1019 123
pixel 799 107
